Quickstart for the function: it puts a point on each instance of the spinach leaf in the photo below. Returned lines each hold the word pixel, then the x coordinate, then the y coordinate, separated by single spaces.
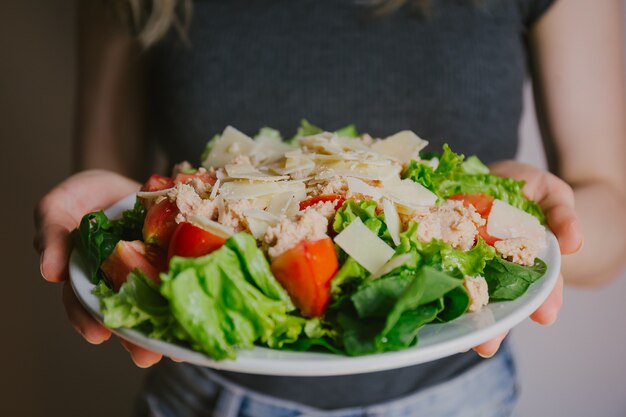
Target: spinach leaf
pixel 508 280
pixel 96 236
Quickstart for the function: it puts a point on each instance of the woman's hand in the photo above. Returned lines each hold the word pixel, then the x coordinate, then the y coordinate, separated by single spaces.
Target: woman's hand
pixel 556 198
pixel 56 215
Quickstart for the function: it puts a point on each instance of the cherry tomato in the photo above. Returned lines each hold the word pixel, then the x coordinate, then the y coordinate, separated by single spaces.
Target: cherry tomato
pixel 204 176
pixel 338 199
pixel 191 241
pixel 305 272
pixel 160 223
pixel 155 183
pixel 125 257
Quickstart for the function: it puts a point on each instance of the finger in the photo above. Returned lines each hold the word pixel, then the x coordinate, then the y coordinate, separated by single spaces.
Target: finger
pixel 178 360
pixel 143 358
pixel 561 216
pixel 55 248
pixel 81 320
pixel 490 347
pixel 547 313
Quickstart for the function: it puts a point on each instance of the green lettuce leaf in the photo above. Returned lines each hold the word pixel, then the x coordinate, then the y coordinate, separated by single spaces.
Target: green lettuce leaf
pixel 441 255
pixel 307 129
pixel 366 211
pixel 454 176
pixel 257 267
pixel 241 303
pixel 138 304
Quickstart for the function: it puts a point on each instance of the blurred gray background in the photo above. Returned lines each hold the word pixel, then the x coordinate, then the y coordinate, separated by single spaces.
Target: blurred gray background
pixel 574 368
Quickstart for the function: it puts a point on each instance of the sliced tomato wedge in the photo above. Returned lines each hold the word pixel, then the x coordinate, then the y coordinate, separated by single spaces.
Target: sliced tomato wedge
pixel 337 198
pixel 191 241
pixel 155 183
pixel 204 176
pixel 160 223
pixel 125 257
pixel 305 272
pixel 482 203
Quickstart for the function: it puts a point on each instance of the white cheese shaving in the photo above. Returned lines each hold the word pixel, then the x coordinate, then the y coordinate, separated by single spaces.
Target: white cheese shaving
pixel 153 194
pixel 236 190
pixel 506 221
pixel 258 228
pixel 215 189
pixel 403 146
pixel 395 262
pixel 364 246
pixel 279 202
pixel 358 187
pixel 247 171
pixel 227 147
pixel 261 215
pixel 211 226
pixel 410 194
pixel 392 219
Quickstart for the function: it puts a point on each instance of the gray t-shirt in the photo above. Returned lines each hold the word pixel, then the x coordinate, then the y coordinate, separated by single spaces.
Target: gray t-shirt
pixel 454 75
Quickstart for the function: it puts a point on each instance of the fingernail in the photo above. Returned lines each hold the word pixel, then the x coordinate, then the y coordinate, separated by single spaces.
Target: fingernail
pixel 582 243
pixel 41 265
pixel 486 356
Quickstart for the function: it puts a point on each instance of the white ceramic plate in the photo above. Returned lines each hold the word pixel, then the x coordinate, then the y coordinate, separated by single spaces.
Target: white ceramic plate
pixel 435 340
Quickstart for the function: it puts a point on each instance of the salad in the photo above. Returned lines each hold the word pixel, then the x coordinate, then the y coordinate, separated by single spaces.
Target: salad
pixel 331 240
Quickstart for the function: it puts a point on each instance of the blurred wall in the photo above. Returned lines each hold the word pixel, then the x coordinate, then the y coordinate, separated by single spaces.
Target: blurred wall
pixel 47 368
pixel 573 368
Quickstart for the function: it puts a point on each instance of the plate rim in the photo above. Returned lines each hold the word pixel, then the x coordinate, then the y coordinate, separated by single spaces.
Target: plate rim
pixel 266 361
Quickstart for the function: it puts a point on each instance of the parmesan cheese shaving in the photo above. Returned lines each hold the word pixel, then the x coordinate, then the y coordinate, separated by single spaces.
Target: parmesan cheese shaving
pixel 247 171
pixel 228 146
pixel 153 194
pixel 411 194
pixel 358 187
pixel 392 219
pixel 248 189
pixel 211 226
pixel 364 246
pixel 395 262
pixel 215 189
pixel 403 146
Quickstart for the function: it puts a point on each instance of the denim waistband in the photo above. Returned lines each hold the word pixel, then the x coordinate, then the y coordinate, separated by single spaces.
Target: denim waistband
pixel 486 390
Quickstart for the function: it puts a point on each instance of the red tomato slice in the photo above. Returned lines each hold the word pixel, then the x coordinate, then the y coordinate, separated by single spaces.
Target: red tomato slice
pixel 160 223
pixel 482 203
pixel 338 199
pixel 191 241
pixel 125 257
pixel 204 176
pixel 305 272
pixel 155 183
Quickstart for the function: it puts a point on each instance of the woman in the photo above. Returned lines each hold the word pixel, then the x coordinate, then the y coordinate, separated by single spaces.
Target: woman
pixel 452 72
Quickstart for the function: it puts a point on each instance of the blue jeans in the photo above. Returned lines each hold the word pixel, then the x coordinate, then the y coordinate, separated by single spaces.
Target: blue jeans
pixel 172 390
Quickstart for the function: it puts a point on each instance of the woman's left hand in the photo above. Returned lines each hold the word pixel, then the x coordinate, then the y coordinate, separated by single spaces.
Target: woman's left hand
pixel 556 198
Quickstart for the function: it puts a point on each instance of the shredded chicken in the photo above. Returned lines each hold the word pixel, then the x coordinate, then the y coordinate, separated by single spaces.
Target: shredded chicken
pixel 310 224
pixel 233 214
pixel 190 204
pixel 478 292
pixel 332 185
pixel 451 222
pixel 520 250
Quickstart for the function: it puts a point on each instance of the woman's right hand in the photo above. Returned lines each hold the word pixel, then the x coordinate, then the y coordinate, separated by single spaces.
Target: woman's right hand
pixel 56 215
